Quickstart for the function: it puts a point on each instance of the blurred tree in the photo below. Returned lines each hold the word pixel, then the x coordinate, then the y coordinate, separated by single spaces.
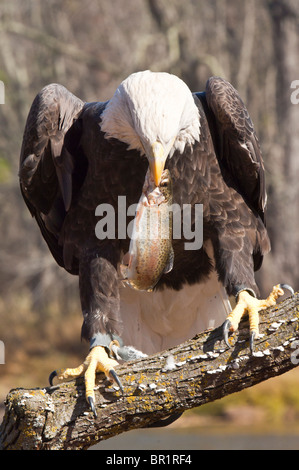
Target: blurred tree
pixel 282 160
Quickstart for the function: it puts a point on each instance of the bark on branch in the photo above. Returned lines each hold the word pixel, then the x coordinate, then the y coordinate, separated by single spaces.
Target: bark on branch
pixel 199 371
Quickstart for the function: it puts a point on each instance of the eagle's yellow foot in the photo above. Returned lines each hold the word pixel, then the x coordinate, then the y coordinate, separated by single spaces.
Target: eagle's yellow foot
pixel 247 303
pixel 96 361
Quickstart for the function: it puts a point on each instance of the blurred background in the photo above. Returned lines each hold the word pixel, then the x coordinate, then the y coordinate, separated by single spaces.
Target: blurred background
pixel 90 46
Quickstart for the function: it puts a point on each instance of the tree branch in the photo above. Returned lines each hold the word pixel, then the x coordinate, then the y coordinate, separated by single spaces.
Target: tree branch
pixel 55 44
pixel 199 371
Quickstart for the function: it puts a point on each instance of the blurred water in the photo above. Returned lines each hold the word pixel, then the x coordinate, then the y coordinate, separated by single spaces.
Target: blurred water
pixel 196 440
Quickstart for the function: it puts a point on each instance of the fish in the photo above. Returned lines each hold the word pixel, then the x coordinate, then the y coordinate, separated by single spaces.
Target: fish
pixel 150 252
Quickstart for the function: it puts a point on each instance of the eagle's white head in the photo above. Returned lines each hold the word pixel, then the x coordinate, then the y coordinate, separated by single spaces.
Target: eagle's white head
pixel 154 113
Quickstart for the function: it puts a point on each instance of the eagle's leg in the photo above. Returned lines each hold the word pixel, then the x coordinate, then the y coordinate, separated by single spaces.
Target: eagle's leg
pixel 99 295
pixel 247 303
pixel 96 361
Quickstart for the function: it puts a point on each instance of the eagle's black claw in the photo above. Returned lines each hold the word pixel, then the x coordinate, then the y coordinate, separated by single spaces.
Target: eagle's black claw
pixel 287 287
pixel 226 328
pixel 252 338
pixel 92 406
pixel 115 377
pixel 52 376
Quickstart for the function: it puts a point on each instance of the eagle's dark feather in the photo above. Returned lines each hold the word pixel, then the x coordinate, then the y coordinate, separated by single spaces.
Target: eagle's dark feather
pixel 68 168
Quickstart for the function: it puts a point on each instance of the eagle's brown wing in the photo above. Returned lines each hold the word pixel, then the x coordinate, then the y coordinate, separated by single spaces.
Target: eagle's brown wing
pixel 48 166
pixel 237 144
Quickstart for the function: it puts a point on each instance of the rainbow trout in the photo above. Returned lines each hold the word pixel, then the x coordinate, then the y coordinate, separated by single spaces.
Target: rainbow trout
pixel 150 253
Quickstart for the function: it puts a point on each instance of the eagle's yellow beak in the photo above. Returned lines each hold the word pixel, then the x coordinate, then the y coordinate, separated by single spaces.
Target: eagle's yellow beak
pixel 157 161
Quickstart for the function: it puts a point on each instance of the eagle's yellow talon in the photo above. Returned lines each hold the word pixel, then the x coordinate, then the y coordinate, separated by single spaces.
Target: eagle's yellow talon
pixel 96 361
pixel 71 373
pixel 247 303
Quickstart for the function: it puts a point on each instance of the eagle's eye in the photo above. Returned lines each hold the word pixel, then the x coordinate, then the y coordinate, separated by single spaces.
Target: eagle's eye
pixel 164 183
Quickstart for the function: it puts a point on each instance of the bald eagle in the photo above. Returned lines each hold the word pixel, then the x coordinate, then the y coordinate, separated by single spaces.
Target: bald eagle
pixel 76 156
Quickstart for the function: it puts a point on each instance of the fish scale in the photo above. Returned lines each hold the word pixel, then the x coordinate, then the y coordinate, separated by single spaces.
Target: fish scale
pixel 150 252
